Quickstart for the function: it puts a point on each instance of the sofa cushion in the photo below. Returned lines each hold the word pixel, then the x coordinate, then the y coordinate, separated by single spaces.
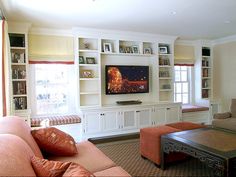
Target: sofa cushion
pixel 224 123
pixel 77 170
pixel 185 125
pixel 15 156
pixel 89 156
pixel 44 167
pixel 54 141
pixel 223 115
pixel 113 171
pixel 17 126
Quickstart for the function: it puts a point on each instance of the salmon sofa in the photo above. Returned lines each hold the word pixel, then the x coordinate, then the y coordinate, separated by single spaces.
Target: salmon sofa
pixel 17 146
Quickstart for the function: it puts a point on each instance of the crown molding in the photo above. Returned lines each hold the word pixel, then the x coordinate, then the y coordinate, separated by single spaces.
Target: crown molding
pixel 128 35
pixel 51 31
pixel 185 42
pixel 224 40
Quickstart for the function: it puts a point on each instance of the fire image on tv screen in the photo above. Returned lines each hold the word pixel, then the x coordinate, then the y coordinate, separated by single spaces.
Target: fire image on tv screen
pixel 127 79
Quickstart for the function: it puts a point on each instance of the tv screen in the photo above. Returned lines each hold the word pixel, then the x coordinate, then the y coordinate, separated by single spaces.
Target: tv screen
pixel 123 79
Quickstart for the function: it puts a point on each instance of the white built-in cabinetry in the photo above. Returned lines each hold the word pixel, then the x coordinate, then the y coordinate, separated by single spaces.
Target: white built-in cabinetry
pixel 203 73
pixel 19 75
pixel 99 112
pixel 166 64
pixel 91 76
pixel 111 120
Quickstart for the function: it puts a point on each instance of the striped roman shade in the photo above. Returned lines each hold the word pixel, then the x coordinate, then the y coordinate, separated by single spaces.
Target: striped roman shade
pixel 50 49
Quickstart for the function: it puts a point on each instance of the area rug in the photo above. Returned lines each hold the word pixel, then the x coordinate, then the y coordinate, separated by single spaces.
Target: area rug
pixel 126 154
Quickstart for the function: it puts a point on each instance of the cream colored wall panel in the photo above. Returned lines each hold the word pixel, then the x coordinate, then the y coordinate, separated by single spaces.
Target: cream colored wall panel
pixel 225 73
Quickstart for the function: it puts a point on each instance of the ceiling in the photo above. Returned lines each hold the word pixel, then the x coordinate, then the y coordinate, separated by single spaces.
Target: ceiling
pixel 188 19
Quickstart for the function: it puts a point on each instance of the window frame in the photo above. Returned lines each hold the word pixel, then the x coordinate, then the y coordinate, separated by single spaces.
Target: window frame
pixel 72 89
pixel 189 81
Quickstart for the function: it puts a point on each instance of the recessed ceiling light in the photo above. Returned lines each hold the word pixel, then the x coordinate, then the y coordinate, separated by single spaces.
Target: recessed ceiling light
pixel 227 21
pixel 173 12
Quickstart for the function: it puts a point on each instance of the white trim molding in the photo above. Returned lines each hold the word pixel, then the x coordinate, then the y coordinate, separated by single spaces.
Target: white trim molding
pixel 224 40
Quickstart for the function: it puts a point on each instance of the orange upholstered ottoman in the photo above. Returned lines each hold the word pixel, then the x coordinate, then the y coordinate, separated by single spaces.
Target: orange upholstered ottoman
pixel 150 144
pixel 185 125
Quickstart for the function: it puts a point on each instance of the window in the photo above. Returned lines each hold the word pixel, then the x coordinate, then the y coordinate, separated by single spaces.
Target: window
pixel 52 89
pixel 182 85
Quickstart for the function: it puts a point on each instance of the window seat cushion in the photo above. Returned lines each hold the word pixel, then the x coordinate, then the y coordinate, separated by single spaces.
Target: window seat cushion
pixel 56 120
pixel 193 108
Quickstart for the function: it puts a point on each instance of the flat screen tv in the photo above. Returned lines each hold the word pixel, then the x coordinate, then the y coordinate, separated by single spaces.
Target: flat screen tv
pixel 124 79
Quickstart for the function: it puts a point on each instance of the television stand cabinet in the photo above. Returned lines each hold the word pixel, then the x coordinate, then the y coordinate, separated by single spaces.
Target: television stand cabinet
pixel 122 119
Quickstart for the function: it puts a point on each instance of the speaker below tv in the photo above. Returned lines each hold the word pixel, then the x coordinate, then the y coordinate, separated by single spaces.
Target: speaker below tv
pixel 126 79
pixel 128 102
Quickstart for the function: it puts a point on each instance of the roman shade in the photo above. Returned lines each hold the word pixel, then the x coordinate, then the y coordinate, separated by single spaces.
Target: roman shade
pixel 50 49
pixel 184 55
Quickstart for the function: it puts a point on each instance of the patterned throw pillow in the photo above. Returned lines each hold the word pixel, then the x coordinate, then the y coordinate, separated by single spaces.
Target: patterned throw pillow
pixel 44 167
pixel 54 141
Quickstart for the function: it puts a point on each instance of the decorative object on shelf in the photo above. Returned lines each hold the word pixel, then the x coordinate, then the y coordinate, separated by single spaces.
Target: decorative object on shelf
pixel 20 103
pixel 163 49
pixel 166 86
pixel 86 45
pixel 128 50
pixel 147 51
pixel 122 49
pixel 205 72
pixel 81 60
pixel 90 60
pixel 107 47
pixel 135 49
pixel 164 74
pixel 87 74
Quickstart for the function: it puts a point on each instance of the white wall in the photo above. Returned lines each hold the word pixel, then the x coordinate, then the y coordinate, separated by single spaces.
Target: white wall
pixel 224 73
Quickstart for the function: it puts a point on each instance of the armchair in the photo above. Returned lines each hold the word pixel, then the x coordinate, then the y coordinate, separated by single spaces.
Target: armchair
pixel 226 120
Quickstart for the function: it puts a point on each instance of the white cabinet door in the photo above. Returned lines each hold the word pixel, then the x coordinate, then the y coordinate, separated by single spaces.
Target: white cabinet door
pixel 92 122
pixel 128 119
pixel 172 114
pixel 143 117
pixel 110 121
pixel 158 116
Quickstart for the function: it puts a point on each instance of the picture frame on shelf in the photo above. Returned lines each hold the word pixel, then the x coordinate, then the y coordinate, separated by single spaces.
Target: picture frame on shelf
pixel 147 50
pixel 135 49
pixel 90 60
pixel 107 47
pixel 87 74
pixel 81 60
pixel 163 50
pixel 122 49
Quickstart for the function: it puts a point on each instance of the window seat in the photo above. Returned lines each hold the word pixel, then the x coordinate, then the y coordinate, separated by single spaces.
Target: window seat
pixel 55 120
pixel 193 108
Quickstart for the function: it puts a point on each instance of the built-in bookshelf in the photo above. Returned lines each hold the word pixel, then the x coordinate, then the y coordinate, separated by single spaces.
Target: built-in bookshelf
pixel 165 61
pixel 94 53
pixel 206 72
pixel 19 74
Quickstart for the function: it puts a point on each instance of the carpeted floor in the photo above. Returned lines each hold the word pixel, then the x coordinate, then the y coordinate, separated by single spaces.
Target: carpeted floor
pixel 126 154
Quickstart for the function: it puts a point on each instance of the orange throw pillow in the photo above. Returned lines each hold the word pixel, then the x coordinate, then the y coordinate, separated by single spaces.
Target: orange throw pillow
pixel 77 170
pixel 43 167
pixel 54 141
